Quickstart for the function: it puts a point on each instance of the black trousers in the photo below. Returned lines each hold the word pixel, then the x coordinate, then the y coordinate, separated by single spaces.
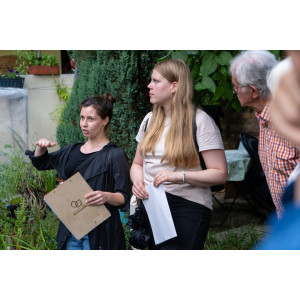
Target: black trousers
pixel 191 222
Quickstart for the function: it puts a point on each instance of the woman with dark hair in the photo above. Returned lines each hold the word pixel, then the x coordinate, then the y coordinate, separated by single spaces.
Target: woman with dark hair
pixel 102 164
pixel 167 154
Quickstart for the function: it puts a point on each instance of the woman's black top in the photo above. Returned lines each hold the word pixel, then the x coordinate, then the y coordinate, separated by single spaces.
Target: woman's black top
pixel 75 160
pixel 104 170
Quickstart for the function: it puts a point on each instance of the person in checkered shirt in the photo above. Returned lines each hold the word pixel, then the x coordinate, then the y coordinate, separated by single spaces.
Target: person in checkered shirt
pixel 285 113
pixel 278 155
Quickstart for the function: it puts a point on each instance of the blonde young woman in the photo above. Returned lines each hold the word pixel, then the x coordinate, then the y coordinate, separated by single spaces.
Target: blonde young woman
pixel 166 154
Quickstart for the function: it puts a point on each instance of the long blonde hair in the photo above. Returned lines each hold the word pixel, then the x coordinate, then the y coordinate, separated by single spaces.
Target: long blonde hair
pixel 179 148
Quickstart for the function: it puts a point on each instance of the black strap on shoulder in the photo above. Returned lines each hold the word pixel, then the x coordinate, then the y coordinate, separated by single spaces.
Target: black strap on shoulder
pixel 196 144
pixel 194 137
pixel 146 125
pixel 214 188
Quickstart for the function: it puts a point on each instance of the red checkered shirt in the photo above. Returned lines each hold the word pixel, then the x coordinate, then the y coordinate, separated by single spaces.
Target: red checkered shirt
pixel 278 157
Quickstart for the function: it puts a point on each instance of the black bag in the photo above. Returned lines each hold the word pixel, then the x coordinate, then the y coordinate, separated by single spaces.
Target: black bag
pixel 141 233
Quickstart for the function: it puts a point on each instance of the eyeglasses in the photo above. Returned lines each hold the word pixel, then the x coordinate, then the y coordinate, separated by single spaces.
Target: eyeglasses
pixel 235 89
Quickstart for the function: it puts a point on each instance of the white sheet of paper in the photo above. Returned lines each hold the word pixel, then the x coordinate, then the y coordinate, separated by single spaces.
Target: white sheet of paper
pixel 159 214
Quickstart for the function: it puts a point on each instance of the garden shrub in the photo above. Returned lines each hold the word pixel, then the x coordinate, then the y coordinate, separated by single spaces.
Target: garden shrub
pixel 28 230
pixel 33 225
pixel 19 178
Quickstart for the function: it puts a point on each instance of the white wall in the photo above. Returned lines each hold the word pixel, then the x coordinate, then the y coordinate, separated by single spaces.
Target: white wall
pixel 13 118
pixel 42 101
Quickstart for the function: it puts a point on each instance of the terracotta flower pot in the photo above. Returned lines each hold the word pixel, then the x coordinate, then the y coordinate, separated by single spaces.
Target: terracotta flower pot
pixel 43 70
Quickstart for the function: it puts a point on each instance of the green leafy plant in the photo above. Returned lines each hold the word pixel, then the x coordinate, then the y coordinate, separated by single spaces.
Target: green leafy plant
pixel 19 177
pixel 12 74
pixel 49 60
pixel 32 59
pixel 27 230
pixel 244 238
pixel 28 58
pixel 210 73
pixel 209 70
pixel 22 62
pixel 23 188
pixel 63 93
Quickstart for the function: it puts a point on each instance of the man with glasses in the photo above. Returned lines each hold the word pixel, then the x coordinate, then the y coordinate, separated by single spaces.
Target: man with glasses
pixel 278 156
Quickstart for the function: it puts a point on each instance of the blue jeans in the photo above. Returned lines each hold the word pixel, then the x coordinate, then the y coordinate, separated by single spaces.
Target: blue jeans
pixel 74 244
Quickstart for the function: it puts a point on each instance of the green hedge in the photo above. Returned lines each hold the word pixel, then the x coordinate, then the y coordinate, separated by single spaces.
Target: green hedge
pixel 125 74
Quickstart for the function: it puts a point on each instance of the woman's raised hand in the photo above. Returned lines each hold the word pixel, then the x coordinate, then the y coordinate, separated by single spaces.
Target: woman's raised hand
pixel 42 145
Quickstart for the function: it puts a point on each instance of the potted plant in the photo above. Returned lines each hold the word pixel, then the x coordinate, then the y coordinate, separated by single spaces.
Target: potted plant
pixel 28 63
pixel 11 79
pixel 47 66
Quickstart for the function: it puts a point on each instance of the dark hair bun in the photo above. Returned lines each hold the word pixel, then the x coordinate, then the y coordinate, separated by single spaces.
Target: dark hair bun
pixel 108 97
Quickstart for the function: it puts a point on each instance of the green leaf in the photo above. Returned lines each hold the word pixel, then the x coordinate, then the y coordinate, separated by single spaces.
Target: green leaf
pixel 224 58
pixel 164 57
pixel 200 86
pixel 219 93
pixel 217 76
pixel 195 71
pixel 224 71
pixel 209 84
pixel 180 55
pixel 209 64
pixel 228 94
pixel 277 53
pixel 189 61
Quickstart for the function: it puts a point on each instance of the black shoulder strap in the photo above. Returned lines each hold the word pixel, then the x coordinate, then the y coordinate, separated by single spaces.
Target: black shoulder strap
pixel 109 173
pixel 146 125
pixel 194 137
pixel 214 188
pixel 196 143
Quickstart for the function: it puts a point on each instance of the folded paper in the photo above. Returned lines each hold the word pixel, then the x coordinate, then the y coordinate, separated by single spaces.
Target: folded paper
pixel 159 214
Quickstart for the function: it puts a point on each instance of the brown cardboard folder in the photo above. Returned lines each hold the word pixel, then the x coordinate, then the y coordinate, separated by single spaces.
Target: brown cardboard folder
pixel 68 203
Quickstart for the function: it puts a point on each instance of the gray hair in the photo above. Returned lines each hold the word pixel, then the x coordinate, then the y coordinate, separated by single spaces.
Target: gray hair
pixel 252 68
pixel 277 72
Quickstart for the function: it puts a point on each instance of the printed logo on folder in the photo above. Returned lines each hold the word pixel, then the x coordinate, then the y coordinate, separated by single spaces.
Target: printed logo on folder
pixel 68 203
